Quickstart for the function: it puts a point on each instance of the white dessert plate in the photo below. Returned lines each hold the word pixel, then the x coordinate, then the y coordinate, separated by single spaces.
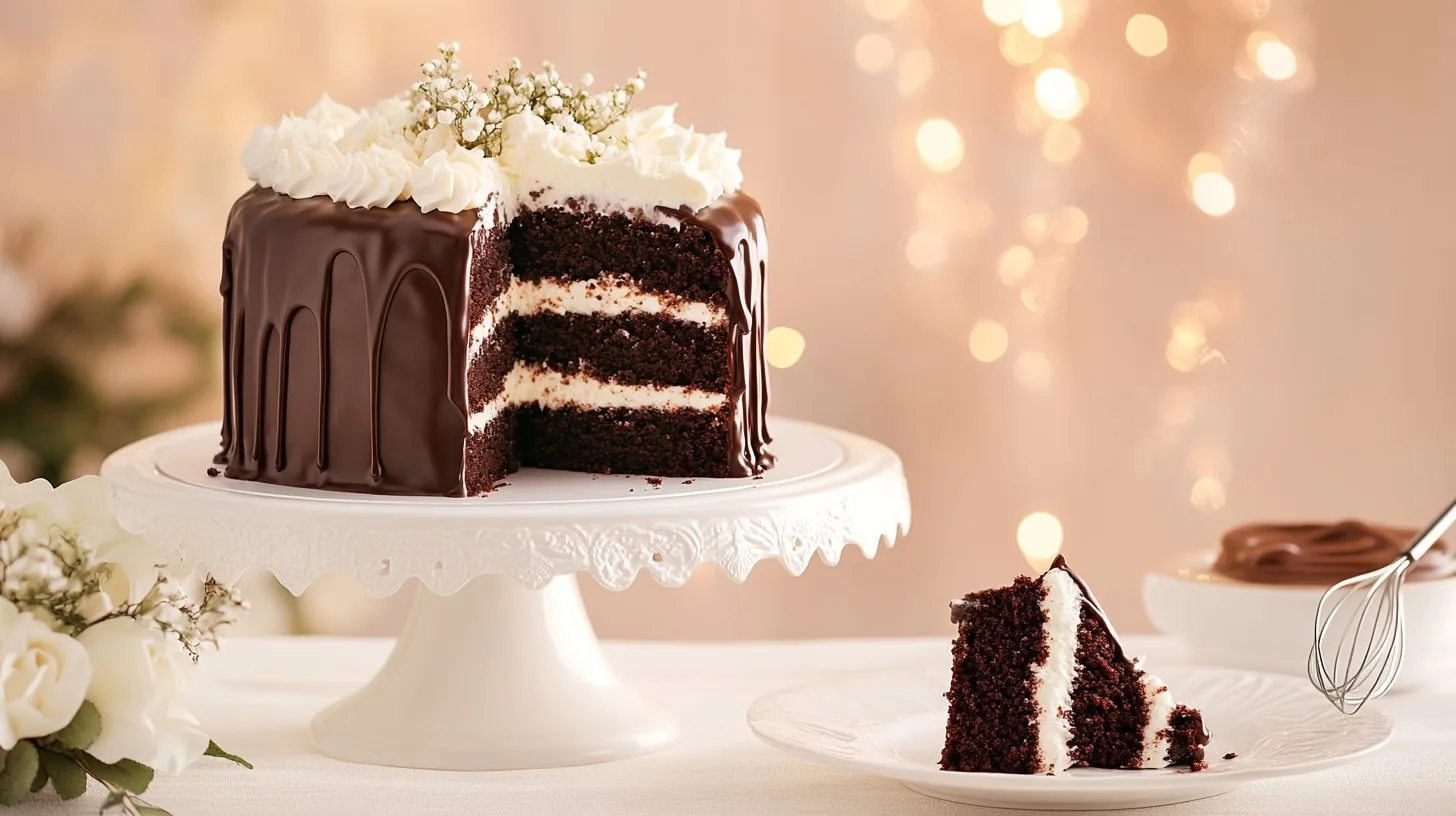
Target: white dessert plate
pixel 892 724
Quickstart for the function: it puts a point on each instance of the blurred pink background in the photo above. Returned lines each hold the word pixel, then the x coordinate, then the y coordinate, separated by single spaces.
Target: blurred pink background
pixel 1040 314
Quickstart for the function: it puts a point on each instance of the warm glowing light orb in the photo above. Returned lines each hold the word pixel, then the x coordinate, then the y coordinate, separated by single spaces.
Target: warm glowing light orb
pixel 1069 225
pixel 1147 35
pixel 1204 163
pixel 1060 142
pixel 783 346
pixel 1003 12
pixel 988 341
pixel 1014 264
pixel 926 250
pixel 939 145
pixel 1039 536
pixel 1276 60
pixel 1059 93
pixel 1213 193
pixel 916 67
pixel 1019 46
pixel 885 9
pixel 874 54
pixel 1033 370
pixel 1208 494
pixel 1042 18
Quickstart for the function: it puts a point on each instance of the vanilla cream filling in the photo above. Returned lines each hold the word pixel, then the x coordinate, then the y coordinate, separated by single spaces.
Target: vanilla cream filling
pixel 606 295
pixel 1062 608
pixel 535 384
pixel 1160 709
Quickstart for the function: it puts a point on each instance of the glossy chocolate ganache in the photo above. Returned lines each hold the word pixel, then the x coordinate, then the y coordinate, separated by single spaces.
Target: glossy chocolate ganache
pixel 1321 554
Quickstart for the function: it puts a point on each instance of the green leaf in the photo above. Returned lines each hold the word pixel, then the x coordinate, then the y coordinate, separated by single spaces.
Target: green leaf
pixel 126 774
pixel 83 729
pixel 67 775
pixel 115 798
pixel 214 750
pixel 21 766
pixel 150 810
pixel 41 778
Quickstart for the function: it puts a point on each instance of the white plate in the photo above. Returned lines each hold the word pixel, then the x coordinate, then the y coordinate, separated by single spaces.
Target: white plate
pixel 892 724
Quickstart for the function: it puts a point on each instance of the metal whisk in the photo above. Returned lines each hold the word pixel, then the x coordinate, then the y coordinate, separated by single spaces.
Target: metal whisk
pixel 1363 662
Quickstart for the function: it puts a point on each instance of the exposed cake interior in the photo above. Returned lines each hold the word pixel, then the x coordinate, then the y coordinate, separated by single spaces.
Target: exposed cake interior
pixel 1040 684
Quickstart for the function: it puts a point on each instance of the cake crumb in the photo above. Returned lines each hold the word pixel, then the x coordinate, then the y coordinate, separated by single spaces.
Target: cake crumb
pixel 688 481
pixel 1231 755
pixel 214 472
pixel 654 481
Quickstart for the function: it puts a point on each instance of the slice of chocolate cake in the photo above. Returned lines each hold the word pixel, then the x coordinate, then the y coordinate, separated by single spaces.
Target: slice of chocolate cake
pixel 1040 684
pixel 423 296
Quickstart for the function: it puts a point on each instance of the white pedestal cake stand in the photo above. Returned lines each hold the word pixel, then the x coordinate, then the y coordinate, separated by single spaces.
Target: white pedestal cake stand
pixel 498 666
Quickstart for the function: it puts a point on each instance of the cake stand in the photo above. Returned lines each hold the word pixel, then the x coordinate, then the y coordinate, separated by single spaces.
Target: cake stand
pixel 498 666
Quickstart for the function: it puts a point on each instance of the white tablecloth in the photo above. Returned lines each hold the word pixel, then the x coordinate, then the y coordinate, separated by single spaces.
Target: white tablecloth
pixel 257 697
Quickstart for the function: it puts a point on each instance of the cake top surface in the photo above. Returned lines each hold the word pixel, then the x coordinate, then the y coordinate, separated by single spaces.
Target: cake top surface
pixel 1322 553
pixel 453 144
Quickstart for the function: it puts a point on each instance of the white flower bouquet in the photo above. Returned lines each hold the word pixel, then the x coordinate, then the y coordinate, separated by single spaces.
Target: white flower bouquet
pixel 96 642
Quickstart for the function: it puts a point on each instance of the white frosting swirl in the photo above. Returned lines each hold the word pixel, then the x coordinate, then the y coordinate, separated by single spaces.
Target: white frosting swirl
pixel 368 159
pixel 456 179
pixel 648 161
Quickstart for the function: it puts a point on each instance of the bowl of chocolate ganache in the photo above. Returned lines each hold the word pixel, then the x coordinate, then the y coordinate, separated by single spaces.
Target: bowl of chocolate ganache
pixel 1251 604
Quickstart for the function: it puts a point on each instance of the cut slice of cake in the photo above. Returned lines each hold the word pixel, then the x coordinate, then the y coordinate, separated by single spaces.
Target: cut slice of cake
pixel 1040 684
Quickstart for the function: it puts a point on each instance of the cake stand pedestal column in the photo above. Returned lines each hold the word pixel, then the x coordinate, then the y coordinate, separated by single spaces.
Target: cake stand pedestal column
pixel 498 666
pixel 497 676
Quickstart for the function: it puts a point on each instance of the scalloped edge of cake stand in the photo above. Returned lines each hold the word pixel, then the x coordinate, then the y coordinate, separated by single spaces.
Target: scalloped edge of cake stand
pixel 498 666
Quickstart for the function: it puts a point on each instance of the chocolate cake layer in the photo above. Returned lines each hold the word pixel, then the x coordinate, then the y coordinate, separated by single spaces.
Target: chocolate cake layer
pixel 1109 705
pixel 684 263
pixel 637 349
pixel 486 374
pixel 490 454
pixel 344 341
pixel 992 715
pixel 624 440
pixel 1187 737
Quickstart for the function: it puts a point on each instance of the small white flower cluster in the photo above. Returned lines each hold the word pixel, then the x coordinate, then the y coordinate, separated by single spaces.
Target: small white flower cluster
pixel 94 644
pixel 477 113
pixel 48 570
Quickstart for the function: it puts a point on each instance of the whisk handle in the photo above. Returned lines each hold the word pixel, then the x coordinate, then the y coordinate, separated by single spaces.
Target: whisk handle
pixel 1423 542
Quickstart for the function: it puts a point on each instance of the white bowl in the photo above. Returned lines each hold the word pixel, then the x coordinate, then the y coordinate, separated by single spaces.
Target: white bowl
pixel 1270 627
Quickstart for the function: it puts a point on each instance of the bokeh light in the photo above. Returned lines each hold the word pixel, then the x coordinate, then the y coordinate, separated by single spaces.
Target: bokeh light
pixel 1208 494
pixel 1059 93
pixel 1204 163
pixel 783 346
pixel 1213 193
pixel 1276 60
pixel 874 54
pixel 885 9
pixel 1039 536
pixel 1034 227
pixel 1042 18
pixel 988 341
pixel 1033 370
pixel 1060 142
pixel 926 250
pixel 916 67
pixel 1147 35
pixel 1014 264
pixel 1019 46
pixel 1003 12
pixel 1069 225
pixel 939 145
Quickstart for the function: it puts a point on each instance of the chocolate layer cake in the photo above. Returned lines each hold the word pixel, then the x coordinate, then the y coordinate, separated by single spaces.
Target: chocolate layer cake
pixel 423 296
pixel 1040 684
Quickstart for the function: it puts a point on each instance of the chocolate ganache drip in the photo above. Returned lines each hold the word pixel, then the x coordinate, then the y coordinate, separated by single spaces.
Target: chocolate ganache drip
pixel 1090 603
pixel 736 223
pixel 1322 554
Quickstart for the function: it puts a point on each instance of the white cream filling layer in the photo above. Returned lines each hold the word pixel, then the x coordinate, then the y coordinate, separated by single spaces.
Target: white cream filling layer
pixel 606 295
pixel 1062 608
pixel 538 385
pixel 1160 708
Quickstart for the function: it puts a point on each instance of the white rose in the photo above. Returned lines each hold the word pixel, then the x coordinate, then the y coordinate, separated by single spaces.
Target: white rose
pixel 84 506
pixel 137 685
pixel 43 677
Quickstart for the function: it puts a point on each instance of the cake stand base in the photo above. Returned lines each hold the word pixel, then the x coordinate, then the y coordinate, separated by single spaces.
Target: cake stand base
pixel 497 677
